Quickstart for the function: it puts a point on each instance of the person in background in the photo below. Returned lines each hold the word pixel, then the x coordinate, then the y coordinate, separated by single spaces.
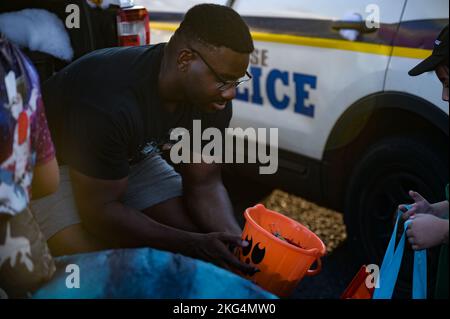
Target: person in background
pixel 28 169
pixel 429 226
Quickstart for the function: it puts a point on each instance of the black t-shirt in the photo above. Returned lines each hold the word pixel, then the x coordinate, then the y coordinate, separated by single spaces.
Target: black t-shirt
pixel 104 108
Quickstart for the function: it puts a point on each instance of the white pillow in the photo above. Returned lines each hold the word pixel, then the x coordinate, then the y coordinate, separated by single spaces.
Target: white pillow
pixel 104 4
pixel 37 30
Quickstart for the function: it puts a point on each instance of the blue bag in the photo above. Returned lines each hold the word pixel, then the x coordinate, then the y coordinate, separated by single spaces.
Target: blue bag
pixel 145 273
pixel 391 266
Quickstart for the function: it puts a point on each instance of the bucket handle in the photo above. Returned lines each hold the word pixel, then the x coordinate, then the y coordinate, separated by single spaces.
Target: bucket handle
pixel 313 272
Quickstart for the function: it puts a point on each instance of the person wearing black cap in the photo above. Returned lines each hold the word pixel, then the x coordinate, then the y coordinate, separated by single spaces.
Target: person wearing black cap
pixel 437 62
pixel 429 226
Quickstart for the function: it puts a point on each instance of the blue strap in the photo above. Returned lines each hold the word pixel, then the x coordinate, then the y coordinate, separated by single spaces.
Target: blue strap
pixel 391 267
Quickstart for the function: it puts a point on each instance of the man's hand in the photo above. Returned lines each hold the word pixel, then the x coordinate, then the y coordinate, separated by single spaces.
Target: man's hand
pixel 213 247
pixel 427 231
pixel 420 206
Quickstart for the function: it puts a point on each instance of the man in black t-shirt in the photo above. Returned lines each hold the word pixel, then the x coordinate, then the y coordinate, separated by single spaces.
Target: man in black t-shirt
pixel 110 114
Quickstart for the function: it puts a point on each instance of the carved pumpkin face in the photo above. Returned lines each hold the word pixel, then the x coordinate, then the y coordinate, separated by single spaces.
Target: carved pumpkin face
pixel 253 254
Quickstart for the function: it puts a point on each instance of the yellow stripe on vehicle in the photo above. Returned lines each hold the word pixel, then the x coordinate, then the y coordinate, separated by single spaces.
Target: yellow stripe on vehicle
pixel 163 26
pixel 370 48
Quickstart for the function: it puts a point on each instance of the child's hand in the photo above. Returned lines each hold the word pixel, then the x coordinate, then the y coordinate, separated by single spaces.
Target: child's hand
pixel 426 231
pixel 420 206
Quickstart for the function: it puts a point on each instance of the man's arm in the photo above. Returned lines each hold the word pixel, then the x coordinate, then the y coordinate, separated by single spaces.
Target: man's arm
pixel 207 199
pixel 103 214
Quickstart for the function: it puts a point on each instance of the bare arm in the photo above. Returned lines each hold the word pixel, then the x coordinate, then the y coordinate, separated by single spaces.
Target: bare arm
pixel 104 215
pixel 207 199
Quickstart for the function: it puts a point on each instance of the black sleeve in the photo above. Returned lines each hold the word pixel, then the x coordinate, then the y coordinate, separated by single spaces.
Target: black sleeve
pixel 98 146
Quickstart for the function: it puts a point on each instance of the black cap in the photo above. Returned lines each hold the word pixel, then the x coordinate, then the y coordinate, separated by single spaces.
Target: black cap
pixel 439 55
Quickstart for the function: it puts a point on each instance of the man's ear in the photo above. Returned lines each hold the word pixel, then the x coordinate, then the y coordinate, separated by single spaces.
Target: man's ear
pixel 185 58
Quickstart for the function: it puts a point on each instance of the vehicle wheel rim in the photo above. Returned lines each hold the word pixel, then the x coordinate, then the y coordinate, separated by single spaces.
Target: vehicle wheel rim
pixel 382 195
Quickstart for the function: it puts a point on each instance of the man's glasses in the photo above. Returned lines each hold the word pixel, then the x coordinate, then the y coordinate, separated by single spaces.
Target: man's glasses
pixel 223 84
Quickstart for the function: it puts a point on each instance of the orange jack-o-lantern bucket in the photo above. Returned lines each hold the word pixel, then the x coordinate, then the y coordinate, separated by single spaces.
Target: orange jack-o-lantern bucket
pixel 281 248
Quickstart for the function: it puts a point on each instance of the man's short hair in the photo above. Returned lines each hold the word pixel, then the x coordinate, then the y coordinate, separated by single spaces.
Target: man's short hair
pixel 216 25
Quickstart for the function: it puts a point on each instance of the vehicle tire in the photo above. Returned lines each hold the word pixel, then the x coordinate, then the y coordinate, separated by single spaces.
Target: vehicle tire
pixel 379 183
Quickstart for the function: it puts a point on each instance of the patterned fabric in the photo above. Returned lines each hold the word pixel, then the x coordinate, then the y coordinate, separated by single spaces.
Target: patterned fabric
pixel 24 135
pixel 25 260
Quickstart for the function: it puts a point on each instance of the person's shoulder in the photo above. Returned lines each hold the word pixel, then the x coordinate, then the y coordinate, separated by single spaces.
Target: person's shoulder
pixel 154 48
pixel 126 51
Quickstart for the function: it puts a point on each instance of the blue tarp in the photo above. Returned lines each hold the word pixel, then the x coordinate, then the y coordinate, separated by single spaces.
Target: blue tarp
pixel 146 273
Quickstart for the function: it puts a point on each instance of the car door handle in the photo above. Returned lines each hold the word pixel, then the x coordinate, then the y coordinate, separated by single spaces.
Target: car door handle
pixel 359 26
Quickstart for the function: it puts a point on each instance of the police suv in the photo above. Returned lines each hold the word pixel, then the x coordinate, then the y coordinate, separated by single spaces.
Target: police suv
pixel 356 133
